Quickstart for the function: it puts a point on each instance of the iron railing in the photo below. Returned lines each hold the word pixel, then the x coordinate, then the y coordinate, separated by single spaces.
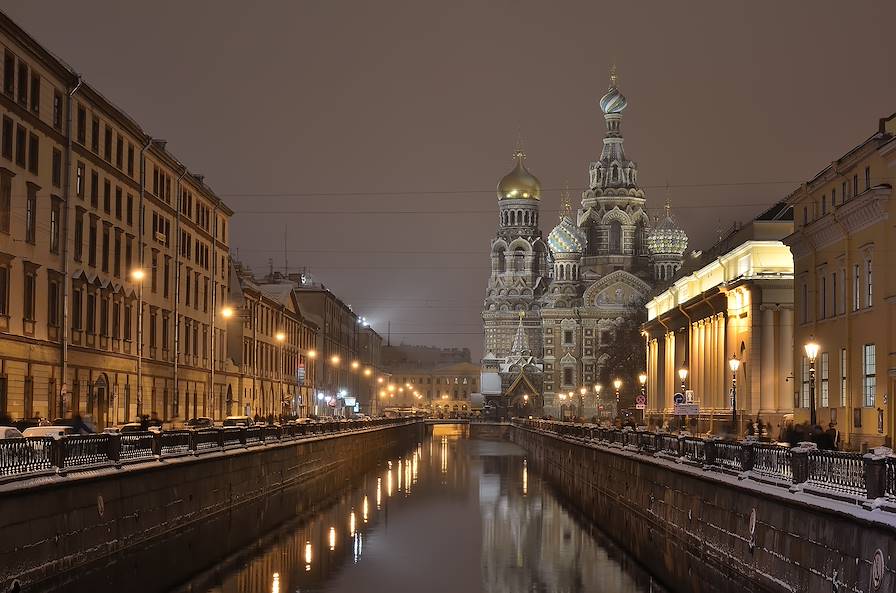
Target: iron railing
pixel 25 457
pixel 836 472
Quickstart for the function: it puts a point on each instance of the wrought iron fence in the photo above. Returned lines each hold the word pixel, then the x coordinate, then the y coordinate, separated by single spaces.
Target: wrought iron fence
pixel 136 445
pixel 890 484
pixel 728 455
pixel 21 456
pixel 206 438
pixel 174 441
pixel 88 449
pixel 693 448
pixel 836 470
pixel 773 461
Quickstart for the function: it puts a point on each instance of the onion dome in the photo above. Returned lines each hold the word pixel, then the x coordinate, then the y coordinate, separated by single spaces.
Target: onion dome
pixel 519 183
pixel 614 101
pixel 667 238
pixel 566 237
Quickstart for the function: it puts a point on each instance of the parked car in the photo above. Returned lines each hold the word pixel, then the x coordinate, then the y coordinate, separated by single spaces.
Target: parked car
pixel 10 432
pixel 201 422
pixel 238 421
pixel 48 431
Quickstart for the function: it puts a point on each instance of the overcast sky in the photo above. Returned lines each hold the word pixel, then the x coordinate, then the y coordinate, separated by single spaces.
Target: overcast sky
pixel 398 118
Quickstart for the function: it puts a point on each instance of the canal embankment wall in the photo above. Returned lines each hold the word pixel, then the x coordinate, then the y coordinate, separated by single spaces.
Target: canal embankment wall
pixel 211 502
pixel 700 530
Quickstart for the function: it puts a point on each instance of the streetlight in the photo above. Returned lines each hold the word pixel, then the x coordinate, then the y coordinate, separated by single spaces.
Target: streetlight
pixel 811 353
pixel 734 364
pixel 617 383
pixel 582 391
pixel 642 379
pixel 682 374
pixel 138 276
pixel 227 312
pixel 280 337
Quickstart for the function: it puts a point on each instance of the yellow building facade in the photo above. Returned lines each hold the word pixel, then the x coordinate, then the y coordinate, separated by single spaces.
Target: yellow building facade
pixel 845 287
pixel 734 300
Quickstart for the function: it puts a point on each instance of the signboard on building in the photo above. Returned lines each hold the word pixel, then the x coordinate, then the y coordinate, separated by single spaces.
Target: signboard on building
pixel 641 402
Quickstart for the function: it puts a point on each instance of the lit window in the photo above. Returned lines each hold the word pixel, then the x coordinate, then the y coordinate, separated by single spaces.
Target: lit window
pixel 870 383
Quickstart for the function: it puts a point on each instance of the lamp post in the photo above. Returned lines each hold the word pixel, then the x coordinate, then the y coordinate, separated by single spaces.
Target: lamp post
pixel 734 364
pixel 562 404
pixel 137 276
pixel 226 314
pixel 597 389
pixel 642 379
pixel 683 374
pixel 582 392
pixel 617 383
pixel 811 348
pixel 280 337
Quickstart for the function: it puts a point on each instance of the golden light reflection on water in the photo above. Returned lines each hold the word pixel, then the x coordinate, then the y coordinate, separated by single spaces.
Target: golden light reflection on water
pixel 364 509
pixel 351 523
pixel 525 478
pixel 332 538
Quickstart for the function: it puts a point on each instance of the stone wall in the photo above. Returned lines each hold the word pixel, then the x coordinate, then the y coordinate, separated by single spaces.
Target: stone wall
pixel 55 526
pixel 691 528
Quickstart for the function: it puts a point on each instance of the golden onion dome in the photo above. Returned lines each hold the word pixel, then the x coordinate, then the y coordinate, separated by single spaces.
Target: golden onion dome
pixel 519 183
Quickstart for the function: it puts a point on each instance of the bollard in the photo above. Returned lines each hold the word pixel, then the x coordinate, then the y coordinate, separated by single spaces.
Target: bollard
pixel 875 462
pixel 157 444
pixel 243 435
pixel 709 450
pixel 114 450
pixel 57 452
pixel 220 438
pixel 799 460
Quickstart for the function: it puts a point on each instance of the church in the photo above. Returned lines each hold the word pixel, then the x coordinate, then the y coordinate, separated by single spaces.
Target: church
pixel 553 307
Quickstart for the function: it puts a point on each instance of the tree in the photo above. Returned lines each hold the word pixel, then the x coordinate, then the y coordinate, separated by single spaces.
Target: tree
pixel 625 357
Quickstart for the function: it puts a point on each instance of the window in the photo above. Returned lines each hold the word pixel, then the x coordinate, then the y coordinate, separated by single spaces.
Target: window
pixel 804 391
pixel 833 196
pixel 76 309
pixel 567 337
pixel 155 270
pixel 9 66
pixel 119 152
pixel 91 313
pixel 55 219
pixel 844 188
pixel 567 376
pixel 116 254
pixel 868 365
pixel 104 316
pixel 118 203
pixel 23 83
pixel 834 294
pixel 130 159
pixel 57 168
pixel 129 211
pixel 116 320
pixel 824 372
pixel 165 277
pixel 20 146
pixel 867 177
pixel 107 197
pixel 824 205
pixel 35 93
pixel 855 185
pixel 79 180
pixel 79 234
pixel 105 258
pixel 30 214
pixel 53 300
pixel 164 332
pixel 856 295
pixel 4 289
pixel 152 329
pixel 128 252
pixel 29 293
pixel 95 135
pixel 5 201
pixel 33 153
pixel 868 283
pixel 843 376
pixel 57 110
pixel 82 126
pixel 91 243
pixel 127 322
pixel 107 144
pixel 94 189
pixel 7 138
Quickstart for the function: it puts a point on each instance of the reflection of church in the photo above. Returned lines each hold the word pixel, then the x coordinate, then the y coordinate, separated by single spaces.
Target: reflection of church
pixel 552 307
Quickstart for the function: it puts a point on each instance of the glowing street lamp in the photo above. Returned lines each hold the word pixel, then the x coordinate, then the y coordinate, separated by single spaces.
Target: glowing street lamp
pixel 226 312
pixel 138 275
pixel 617 383
pixel 812 353
pixel 733 364
pixel 682 374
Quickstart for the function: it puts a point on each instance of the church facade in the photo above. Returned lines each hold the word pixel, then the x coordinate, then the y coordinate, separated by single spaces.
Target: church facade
pixel 554 307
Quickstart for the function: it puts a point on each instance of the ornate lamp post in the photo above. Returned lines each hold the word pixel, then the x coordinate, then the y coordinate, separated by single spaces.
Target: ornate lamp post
pixel 582 392
pixel 617 383
pixel 138 276
pixel 280 337
pixel 734 364
pixel 682 374
pixel 811 353
pixel 642 379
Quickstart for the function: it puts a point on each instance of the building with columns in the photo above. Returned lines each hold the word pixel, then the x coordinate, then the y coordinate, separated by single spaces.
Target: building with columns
pixel 554 309
pixel 733 300
pixel 845 285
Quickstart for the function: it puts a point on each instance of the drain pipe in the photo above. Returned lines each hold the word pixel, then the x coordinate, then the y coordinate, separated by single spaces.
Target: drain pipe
pixel 66 191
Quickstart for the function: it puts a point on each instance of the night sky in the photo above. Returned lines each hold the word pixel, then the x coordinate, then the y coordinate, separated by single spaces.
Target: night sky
pixel 373 133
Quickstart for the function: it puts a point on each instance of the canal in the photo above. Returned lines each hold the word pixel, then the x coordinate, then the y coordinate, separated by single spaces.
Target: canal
pixel 454 514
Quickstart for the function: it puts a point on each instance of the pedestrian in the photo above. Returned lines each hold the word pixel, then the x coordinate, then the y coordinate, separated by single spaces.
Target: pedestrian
pixel 144 422
pixel 833 435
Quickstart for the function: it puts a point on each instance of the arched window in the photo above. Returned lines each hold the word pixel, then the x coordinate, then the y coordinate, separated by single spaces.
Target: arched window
pixel 519 260
pixel 615 173
pixel 615 237
pixel 501 262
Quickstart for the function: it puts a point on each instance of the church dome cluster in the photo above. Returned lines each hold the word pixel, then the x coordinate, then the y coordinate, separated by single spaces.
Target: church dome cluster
pixel 566 237
pixel 519 183
pixel 667 237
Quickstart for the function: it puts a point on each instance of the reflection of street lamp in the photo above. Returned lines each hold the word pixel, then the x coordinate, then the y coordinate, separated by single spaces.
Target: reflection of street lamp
pixel 137 276
pixel 734 364
pixel 811 353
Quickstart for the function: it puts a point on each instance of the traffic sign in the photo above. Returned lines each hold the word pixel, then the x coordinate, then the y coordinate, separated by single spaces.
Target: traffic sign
pixel 641 400
pixel 687 409
pixel 678 398
pixel 640 406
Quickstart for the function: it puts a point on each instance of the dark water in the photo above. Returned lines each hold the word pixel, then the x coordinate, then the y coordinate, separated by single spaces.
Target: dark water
pixel 455 515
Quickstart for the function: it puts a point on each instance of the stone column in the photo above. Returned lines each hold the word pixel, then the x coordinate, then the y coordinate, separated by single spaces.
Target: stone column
pixel 770 375
pixel 785 361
